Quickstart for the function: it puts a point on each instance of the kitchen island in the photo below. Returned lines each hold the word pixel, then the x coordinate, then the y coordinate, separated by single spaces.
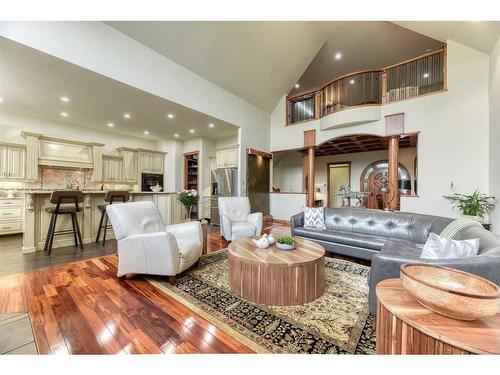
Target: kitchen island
pixel 36 220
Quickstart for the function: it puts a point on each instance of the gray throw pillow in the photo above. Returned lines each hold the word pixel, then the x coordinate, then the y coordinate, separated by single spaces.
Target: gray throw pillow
pixel 437 247
pixel 314 217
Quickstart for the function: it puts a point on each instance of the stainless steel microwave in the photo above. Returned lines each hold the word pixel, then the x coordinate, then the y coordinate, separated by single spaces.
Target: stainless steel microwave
pixel 151 179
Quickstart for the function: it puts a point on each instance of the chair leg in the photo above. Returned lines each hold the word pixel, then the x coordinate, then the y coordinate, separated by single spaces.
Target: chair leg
pixel 46 247
pixel 171 280
pixel 78 232
pixel 105 229
pixel 52 234
pixel 74 229
pixel 100 227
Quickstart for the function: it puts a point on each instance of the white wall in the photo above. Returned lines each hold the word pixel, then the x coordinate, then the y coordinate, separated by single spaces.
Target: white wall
pixel 287 171
pixel 174 168
pixel 495 133
pixel 454 127
pixel 104 50
pixel 283 206
pixel 228 141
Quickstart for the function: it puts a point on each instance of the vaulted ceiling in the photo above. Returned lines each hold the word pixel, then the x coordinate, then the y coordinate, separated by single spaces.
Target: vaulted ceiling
pixel 257 61
pixel 262 61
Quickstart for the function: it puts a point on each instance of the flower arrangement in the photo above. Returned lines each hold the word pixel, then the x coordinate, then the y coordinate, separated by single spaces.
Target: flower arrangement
pixel 188 198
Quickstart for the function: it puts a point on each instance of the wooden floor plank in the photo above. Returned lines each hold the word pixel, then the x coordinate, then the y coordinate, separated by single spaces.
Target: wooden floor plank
pixel 82 308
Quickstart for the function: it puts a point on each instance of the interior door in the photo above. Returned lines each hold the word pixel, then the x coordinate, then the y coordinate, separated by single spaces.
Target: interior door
pixel 339 174
pixel 376 180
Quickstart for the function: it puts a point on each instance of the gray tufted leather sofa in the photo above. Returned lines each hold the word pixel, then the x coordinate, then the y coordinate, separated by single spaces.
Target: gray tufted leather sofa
pixel 391 239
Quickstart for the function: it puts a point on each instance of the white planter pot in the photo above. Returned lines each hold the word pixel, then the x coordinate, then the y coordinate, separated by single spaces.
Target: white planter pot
pixel 479 219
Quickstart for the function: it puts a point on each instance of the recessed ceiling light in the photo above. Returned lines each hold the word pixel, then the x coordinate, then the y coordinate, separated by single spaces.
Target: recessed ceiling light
pixel 64 99
pixel 126 115
pixel 64 114
pixel 170 115
pixel 110 124
pixel 191 131
pixel 146 132
pixel 352 82
pixel 211 125
pixel 338 56
pixel 1 100
pixel 426 75
pixel 176 135
pixel 297 85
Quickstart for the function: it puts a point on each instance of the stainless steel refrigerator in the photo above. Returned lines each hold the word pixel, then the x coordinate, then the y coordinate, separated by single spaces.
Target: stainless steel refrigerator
pixel 224 182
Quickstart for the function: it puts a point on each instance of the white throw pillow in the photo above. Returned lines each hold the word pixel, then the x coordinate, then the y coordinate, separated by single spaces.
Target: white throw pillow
pixel 314 217
pixel 437 247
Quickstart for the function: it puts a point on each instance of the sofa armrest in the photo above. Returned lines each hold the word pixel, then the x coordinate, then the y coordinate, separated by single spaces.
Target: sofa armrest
pixel 297 220
pixel 256 219
pixel 151 253
pixel 388 267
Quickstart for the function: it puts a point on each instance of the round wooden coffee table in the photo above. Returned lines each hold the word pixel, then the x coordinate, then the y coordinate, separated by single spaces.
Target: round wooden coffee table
pixel 277 277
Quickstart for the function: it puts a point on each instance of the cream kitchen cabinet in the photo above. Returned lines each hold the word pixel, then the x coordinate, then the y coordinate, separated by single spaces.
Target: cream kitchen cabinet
pixel 11 216
pixel 129 165
pixel 12 161
pixel 112 168
pixel 151 162
pixel 227 158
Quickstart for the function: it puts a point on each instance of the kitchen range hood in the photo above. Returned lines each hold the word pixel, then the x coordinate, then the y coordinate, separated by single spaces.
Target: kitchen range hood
pixel 57 152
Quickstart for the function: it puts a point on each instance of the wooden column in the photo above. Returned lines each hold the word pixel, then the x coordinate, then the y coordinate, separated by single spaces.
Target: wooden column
pixel 393 169
pixel 310 144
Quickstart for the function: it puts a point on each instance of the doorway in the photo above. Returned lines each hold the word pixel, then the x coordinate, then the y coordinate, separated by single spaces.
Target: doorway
pixel 338 174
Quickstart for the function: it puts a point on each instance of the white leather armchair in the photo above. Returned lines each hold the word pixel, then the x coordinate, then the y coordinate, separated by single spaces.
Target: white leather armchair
pixel 236 221
pixel 145 246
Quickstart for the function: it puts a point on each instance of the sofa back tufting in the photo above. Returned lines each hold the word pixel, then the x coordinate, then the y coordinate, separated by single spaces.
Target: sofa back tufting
pixel 406 226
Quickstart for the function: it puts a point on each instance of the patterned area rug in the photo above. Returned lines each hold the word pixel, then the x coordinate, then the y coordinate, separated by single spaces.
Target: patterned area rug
pixel 337 323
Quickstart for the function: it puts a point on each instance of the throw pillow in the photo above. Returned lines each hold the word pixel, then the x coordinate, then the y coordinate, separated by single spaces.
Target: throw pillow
pixel 437 247
pixel 314 217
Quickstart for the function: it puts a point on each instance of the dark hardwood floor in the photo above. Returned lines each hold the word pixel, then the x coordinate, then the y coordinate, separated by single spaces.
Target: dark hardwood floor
pixel 78 306
pixel 81 307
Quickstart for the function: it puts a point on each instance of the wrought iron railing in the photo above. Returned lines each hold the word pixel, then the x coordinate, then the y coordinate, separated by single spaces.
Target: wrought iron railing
pixel 422 75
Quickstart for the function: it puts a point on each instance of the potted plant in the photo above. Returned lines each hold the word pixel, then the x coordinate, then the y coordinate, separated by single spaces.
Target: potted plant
pixel 285 243
pixel 188 199
pixel 475 206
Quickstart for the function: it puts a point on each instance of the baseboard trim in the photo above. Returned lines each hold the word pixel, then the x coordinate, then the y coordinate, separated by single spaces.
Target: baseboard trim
pixel 284 222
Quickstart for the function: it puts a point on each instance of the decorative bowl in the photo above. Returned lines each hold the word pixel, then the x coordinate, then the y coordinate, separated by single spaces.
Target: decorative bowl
pixel 449 292
pixel 284 246
pixel 156 190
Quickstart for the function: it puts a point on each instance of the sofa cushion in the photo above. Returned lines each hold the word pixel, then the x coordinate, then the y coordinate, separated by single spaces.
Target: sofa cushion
pixel 343 237
pixel 402 248
pixel 314 217
pixel 405 226
pixel 438 247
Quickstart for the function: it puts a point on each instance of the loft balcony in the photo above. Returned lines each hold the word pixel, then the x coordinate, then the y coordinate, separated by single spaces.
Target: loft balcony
pixel 362 93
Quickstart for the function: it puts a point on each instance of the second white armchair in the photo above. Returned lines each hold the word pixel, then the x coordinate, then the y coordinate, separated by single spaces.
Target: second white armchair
pixel 236 221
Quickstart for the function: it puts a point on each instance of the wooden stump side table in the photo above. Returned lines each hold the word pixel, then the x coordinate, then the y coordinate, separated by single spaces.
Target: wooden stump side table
pixel 406 327
pixel 276 277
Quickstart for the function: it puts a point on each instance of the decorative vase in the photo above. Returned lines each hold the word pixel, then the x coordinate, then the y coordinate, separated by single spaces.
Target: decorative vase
pixel 189 210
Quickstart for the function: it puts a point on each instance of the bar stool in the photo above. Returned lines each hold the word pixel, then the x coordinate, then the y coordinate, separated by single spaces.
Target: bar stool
pixel 64 197
pixel 111 196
